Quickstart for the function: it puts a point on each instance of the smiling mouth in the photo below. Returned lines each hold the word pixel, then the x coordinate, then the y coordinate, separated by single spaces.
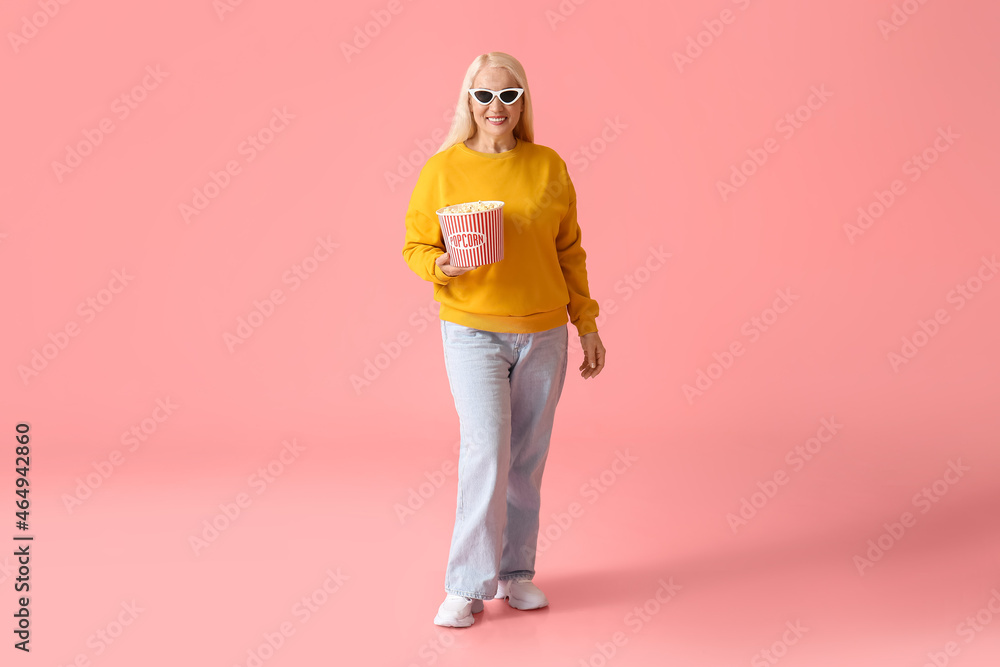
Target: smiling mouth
pixel 496 120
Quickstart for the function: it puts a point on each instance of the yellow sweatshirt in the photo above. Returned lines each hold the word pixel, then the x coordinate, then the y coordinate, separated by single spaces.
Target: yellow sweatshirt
pixel 543 274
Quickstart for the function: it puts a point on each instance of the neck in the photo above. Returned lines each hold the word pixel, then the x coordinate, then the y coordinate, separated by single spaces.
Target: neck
pixel 489 145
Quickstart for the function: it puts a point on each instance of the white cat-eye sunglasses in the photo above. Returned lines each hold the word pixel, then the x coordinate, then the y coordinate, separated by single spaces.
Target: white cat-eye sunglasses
pixel 508 95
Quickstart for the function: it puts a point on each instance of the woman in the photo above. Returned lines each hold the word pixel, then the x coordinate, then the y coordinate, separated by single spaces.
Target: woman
pixel 503 328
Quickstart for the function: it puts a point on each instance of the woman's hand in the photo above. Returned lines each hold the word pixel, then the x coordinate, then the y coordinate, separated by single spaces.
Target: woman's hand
pixel 448 269
pixel 593 355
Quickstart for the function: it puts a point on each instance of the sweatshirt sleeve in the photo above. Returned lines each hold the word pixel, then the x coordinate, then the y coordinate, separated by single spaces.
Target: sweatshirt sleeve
pixel 583 310
pixel 424 241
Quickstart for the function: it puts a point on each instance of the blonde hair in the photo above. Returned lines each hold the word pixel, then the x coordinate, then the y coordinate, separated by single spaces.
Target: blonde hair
pixel 464 127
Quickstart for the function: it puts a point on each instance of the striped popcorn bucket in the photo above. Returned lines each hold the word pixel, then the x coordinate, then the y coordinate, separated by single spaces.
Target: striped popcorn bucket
pixel 473 239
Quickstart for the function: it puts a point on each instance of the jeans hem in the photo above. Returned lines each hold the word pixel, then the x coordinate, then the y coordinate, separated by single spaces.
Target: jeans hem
pixel 467 594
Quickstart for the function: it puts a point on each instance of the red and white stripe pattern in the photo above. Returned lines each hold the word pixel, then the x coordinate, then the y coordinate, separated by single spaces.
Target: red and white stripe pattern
pixel 473 239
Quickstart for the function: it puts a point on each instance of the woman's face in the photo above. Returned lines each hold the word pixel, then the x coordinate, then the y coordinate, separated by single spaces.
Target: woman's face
pixel 496 79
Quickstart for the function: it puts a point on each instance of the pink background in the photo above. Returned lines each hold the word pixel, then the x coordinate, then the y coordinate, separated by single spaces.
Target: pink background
pixel 364 452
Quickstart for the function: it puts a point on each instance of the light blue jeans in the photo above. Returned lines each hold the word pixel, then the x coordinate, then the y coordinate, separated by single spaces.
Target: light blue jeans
pixel 506 387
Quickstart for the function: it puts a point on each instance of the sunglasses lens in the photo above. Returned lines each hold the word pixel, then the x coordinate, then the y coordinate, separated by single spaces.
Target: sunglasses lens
pixel 483 96
pixel 508 96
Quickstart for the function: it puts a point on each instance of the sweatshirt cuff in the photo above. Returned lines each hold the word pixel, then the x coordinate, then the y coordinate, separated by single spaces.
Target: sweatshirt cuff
pixel 441 275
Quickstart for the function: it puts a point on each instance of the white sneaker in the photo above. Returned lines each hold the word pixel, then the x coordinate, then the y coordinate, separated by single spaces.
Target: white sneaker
pixel 456 611
pixel 521 594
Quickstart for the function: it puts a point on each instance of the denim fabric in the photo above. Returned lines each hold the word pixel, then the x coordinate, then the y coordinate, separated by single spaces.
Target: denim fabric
pixel 506 387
